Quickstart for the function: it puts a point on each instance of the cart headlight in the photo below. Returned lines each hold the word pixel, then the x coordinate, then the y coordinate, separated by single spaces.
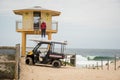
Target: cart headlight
pixel 30 53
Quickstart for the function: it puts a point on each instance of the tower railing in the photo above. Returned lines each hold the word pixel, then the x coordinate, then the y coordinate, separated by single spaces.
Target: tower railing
pixel 19 26
pixel 55 25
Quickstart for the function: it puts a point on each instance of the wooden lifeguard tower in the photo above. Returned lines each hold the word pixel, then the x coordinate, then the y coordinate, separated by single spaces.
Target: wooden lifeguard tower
pixel 31 20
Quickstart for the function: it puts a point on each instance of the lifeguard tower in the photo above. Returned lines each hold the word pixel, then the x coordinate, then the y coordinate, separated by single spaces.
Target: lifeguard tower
pixel 31 20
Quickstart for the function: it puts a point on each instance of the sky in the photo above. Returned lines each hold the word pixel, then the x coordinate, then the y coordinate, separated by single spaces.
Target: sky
pixel 91 24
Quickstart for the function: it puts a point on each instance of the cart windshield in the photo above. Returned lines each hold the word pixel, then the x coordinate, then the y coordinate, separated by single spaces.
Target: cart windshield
pixel 58 48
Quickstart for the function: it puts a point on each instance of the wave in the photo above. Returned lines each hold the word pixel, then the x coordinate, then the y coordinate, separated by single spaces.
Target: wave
pixel 100 58
pixel 95 60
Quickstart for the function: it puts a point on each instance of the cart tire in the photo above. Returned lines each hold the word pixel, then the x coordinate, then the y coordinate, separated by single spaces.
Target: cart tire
pixel 56 63
pixel 29 61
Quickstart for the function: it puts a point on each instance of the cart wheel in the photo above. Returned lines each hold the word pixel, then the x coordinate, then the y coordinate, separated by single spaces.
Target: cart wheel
pixel 29 61
pixel 56 63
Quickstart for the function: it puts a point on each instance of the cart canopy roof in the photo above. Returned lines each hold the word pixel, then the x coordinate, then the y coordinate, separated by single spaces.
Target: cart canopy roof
pixel 50 41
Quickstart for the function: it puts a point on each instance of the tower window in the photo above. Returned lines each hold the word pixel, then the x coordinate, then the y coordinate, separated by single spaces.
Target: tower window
pixel 36 20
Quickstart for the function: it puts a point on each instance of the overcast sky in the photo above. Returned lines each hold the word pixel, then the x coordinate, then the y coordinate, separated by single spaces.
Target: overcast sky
pixel 83 23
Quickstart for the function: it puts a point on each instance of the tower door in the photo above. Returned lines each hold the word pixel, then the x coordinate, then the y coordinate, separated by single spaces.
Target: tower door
pixel 37 16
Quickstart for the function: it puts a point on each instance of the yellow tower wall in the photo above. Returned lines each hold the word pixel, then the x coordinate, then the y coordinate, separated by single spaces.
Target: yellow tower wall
pixel 47 17
pixel 27 20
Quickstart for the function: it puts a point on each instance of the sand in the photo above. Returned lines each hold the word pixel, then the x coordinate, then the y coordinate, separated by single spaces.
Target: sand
pixel 42 72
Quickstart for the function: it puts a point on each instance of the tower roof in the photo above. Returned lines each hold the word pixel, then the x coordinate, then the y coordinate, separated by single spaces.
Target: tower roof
pixel 36 8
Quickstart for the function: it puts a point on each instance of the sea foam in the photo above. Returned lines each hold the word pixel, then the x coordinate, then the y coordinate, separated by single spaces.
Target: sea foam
pixel 83 62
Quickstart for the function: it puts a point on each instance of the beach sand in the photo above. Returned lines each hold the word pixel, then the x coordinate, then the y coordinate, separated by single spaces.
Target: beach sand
pixel 40 72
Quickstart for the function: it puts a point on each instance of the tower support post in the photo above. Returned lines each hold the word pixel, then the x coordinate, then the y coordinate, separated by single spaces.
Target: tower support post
pixel 23 43
pixel 49 36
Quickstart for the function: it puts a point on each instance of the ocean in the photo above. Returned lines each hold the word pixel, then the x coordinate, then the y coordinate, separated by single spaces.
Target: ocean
pixel 92 57
pixel 93 52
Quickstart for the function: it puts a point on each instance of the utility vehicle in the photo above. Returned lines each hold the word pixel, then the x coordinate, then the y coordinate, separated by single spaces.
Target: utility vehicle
pixel 47 52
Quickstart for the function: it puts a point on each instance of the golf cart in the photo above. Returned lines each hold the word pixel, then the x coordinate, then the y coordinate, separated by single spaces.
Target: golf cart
pixel 46 52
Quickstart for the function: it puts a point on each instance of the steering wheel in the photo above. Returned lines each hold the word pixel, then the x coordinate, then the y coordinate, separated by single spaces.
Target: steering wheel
pixel 38 51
